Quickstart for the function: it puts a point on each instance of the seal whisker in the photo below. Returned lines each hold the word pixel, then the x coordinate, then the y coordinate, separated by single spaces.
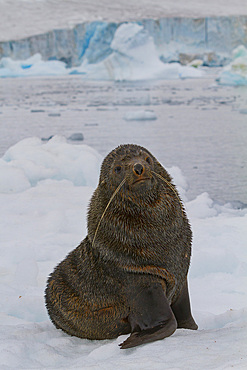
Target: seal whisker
pixel 172 188
pixel 101 218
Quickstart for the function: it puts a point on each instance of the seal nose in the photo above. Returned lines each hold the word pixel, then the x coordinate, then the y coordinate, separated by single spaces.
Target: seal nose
pixel 138 168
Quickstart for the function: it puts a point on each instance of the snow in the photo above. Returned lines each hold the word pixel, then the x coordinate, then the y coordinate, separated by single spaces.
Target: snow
pixel 23 18
pixel 55 159
pixel 44 192
pixel 236 72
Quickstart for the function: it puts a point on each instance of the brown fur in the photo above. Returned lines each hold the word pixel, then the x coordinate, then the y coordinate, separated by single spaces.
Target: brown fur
pixel 143 238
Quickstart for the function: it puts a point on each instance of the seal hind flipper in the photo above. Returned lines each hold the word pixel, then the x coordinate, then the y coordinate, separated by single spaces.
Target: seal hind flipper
pixel 150 335
pixel 151 317
pixel 182 311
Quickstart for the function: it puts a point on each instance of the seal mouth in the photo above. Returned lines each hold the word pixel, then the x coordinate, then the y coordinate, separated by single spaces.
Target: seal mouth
pixel 143 179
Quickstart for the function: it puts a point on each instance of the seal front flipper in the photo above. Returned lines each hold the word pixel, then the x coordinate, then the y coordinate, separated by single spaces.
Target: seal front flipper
pixel 151 317
pixel 182 311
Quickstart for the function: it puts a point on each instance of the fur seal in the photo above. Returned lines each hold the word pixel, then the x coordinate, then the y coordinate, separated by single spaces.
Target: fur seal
pixel 129 275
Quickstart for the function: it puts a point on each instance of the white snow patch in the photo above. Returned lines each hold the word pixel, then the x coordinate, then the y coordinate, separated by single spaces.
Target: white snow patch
pixel 35 161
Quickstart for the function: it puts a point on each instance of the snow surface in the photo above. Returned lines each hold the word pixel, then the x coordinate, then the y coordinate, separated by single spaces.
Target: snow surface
pixel 23 18
pixel 44 192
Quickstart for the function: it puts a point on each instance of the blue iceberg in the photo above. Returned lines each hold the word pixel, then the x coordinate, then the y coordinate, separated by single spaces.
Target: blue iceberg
pixel 236 72
pixel 133 57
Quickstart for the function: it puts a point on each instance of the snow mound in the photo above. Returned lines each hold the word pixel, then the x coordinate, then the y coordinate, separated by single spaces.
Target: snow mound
pixel 134 57
pixel 236 72
pixel 31 160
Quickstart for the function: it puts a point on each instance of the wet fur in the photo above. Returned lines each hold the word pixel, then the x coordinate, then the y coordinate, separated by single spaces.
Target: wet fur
pixel 142 242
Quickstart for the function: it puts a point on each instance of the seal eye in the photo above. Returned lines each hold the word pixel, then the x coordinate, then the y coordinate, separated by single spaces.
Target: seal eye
pixel 117 169
pixel 148 160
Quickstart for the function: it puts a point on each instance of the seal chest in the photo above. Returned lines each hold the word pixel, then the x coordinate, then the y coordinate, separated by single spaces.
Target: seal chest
pixel 129 275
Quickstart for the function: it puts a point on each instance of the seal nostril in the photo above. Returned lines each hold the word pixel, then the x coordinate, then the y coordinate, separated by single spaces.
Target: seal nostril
pixel 138 168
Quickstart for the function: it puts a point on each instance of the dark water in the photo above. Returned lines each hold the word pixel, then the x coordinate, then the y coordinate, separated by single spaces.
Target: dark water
pixel 200 127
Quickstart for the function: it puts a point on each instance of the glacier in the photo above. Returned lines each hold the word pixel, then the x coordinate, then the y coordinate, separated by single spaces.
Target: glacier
pixel 134 57
pixel 182 40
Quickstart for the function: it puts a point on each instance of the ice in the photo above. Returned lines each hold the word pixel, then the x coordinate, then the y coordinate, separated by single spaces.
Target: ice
pixel 35 161
pixel 148 49
pixel 44 218
pixel 33 66
pixel 134 58
pixel 236 72
pixel 77 136
pixel 122 65
pixel 140 115
pixel 210 38
pixel 13 179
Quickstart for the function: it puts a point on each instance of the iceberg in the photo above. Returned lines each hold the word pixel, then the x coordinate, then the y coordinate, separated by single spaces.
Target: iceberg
pixel 140 115
pixel 134 57
pixel 236 72
pixel 33 66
